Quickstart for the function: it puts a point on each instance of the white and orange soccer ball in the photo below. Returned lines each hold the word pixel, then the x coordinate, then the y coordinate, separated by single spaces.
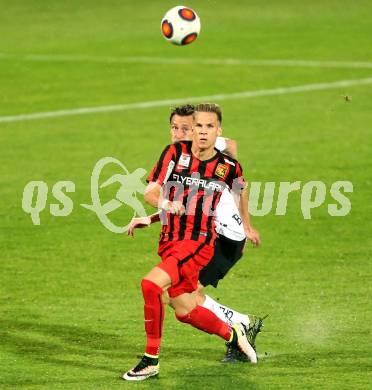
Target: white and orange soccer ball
pixel 180 25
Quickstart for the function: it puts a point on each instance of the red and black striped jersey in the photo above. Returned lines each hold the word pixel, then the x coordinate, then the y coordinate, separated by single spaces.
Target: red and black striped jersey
pixel 198 185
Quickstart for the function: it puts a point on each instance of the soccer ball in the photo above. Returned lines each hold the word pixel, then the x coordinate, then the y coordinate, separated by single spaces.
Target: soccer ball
pixel 180 25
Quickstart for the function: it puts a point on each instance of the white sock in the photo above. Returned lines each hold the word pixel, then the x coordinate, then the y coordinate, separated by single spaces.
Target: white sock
pixel 225 313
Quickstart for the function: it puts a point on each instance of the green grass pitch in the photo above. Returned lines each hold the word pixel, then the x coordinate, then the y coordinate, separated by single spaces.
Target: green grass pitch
pixel 70 300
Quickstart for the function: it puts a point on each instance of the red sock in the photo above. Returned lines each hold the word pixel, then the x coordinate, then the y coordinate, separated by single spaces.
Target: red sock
pixel 207 321
pixel 154 315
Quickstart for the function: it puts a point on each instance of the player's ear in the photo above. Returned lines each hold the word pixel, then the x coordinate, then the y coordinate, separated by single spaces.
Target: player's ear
pixel 193 131
pixel 219 131
pixel 190 133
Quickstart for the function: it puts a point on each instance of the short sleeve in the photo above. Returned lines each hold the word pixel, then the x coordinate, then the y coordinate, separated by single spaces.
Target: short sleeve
pixel 164 167
pixel 238 181
pixel 220 144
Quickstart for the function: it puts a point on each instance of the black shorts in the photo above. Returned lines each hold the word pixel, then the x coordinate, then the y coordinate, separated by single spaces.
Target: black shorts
pixel 226 253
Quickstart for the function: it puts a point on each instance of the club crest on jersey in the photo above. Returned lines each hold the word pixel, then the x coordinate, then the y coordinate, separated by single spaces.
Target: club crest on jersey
pixel 184 160
pixel 221 170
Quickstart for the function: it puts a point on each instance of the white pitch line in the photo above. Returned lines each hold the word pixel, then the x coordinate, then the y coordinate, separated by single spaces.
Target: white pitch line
pixel 188 61
pixel 169 102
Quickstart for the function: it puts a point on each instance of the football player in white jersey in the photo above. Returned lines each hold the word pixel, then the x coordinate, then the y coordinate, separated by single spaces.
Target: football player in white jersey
pixel 232 236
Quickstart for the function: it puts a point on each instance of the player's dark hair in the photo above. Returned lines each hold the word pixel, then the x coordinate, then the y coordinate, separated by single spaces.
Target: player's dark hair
pixel 185 110
pixel 210 107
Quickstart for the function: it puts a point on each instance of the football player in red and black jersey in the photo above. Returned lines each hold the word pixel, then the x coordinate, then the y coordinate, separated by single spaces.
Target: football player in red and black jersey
pixel 186 184
pixel 230 242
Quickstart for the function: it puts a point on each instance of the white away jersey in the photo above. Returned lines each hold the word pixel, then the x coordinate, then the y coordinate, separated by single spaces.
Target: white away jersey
pixel 227 218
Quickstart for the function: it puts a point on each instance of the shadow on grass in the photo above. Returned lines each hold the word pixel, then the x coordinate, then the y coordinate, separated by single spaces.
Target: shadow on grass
pixel 52 342
pixel 72 346
pixel 99 358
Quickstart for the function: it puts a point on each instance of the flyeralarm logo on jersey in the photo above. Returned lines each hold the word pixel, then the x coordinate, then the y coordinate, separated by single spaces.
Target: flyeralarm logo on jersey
pixel 262 199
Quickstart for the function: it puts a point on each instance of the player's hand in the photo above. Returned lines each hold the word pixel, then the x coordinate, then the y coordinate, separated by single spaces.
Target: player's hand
pixel 138 223
pixel 253 236
pixel 175 207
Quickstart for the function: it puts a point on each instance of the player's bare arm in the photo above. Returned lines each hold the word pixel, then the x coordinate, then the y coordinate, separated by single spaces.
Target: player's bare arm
pixel 251 233
pixel 142 222
pixel 231 148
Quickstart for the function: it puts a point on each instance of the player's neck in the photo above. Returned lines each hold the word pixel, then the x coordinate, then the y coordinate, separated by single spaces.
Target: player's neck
pixel 203 154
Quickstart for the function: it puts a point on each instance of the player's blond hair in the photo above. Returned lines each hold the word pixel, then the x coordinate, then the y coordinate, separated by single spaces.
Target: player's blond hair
pixel 209 107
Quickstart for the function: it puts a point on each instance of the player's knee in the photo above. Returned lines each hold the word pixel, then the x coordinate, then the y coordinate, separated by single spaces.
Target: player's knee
pixel 199 287
pixel 200 298
pixel 183 316
pixel 182 310
pixel 167 300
